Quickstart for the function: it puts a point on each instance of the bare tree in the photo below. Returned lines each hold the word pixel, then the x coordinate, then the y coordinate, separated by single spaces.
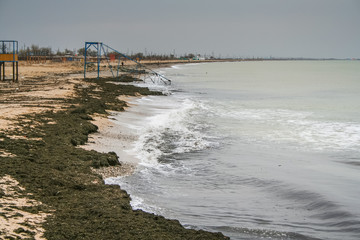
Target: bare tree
pixel 3 48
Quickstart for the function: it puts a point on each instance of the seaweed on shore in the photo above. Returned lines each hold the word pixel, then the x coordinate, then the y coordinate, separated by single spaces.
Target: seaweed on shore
pixel 48 163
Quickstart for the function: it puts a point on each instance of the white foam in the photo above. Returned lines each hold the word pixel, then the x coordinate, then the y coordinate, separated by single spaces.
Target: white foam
pixel 330 135
pixel 173 129
pixel 138 203
pixel 302 129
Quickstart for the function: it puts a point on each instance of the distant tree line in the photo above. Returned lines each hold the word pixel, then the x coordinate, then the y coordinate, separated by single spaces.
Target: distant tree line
pixel 139 55
pixel 153 56
pixel 35 50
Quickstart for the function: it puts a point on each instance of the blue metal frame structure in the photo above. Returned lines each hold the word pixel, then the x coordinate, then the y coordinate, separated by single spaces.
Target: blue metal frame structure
pixel 9 52
pixel 103 53
pixel 97 46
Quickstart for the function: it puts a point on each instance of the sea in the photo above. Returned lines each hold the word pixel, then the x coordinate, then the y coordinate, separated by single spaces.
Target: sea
pixel 252 149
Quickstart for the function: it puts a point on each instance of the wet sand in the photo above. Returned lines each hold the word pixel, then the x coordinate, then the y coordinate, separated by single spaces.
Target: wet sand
pixel 105 140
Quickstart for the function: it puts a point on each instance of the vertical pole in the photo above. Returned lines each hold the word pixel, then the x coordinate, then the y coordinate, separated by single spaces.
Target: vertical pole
pixel 117 73
pixel 85 61
pixel 98 59
pixel 13 62
pixel 13 66
pixel 17 71
pixel 0 69
pixel 17 61
pixel 3 71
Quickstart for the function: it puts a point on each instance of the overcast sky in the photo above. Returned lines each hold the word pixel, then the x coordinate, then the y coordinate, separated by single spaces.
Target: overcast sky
pixel 234 28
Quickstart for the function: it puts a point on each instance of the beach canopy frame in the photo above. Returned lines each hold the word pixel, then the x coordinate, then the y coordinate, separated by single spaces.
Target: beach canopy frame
pixel 9 52
pixel 105 53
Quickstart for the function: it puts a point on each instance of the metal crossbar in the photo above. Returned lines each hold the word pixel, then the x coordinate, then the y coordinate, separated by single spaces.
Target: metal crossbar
pixel 102 53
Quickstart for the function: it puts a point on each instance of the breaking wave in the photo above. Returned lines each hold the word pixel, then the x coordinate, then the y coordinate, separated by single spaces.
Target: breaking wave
pixel 172 132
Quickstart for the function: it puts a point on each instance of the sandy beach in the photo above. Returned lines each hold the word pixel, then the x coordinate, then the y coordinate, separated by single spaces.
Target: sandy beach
pixel 50 187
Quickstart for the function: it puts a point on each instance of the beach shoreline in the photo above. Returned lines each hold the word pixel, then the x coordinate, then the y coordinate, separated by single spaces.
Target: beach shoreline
pixel 45 117
pixel 105 140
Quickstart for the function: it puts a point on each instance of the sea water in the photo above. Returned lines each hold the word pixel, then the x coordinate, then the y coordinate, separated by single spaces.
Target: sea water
pixel 256 150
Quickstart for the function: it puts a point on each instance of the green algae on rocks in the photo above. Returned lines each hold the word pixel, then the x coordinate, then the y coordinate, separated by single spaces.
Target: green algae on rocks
pixel 48 163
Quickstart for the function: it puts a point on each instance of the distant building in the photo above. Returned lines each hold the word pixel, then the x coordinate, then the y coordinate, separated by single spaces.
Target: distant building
pixel 199 58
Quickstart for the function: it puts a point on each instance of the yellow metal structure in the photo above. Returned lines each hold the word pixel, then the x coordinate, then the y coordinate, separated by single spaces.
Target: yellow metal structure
pixel 8 57
pixel 9 54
